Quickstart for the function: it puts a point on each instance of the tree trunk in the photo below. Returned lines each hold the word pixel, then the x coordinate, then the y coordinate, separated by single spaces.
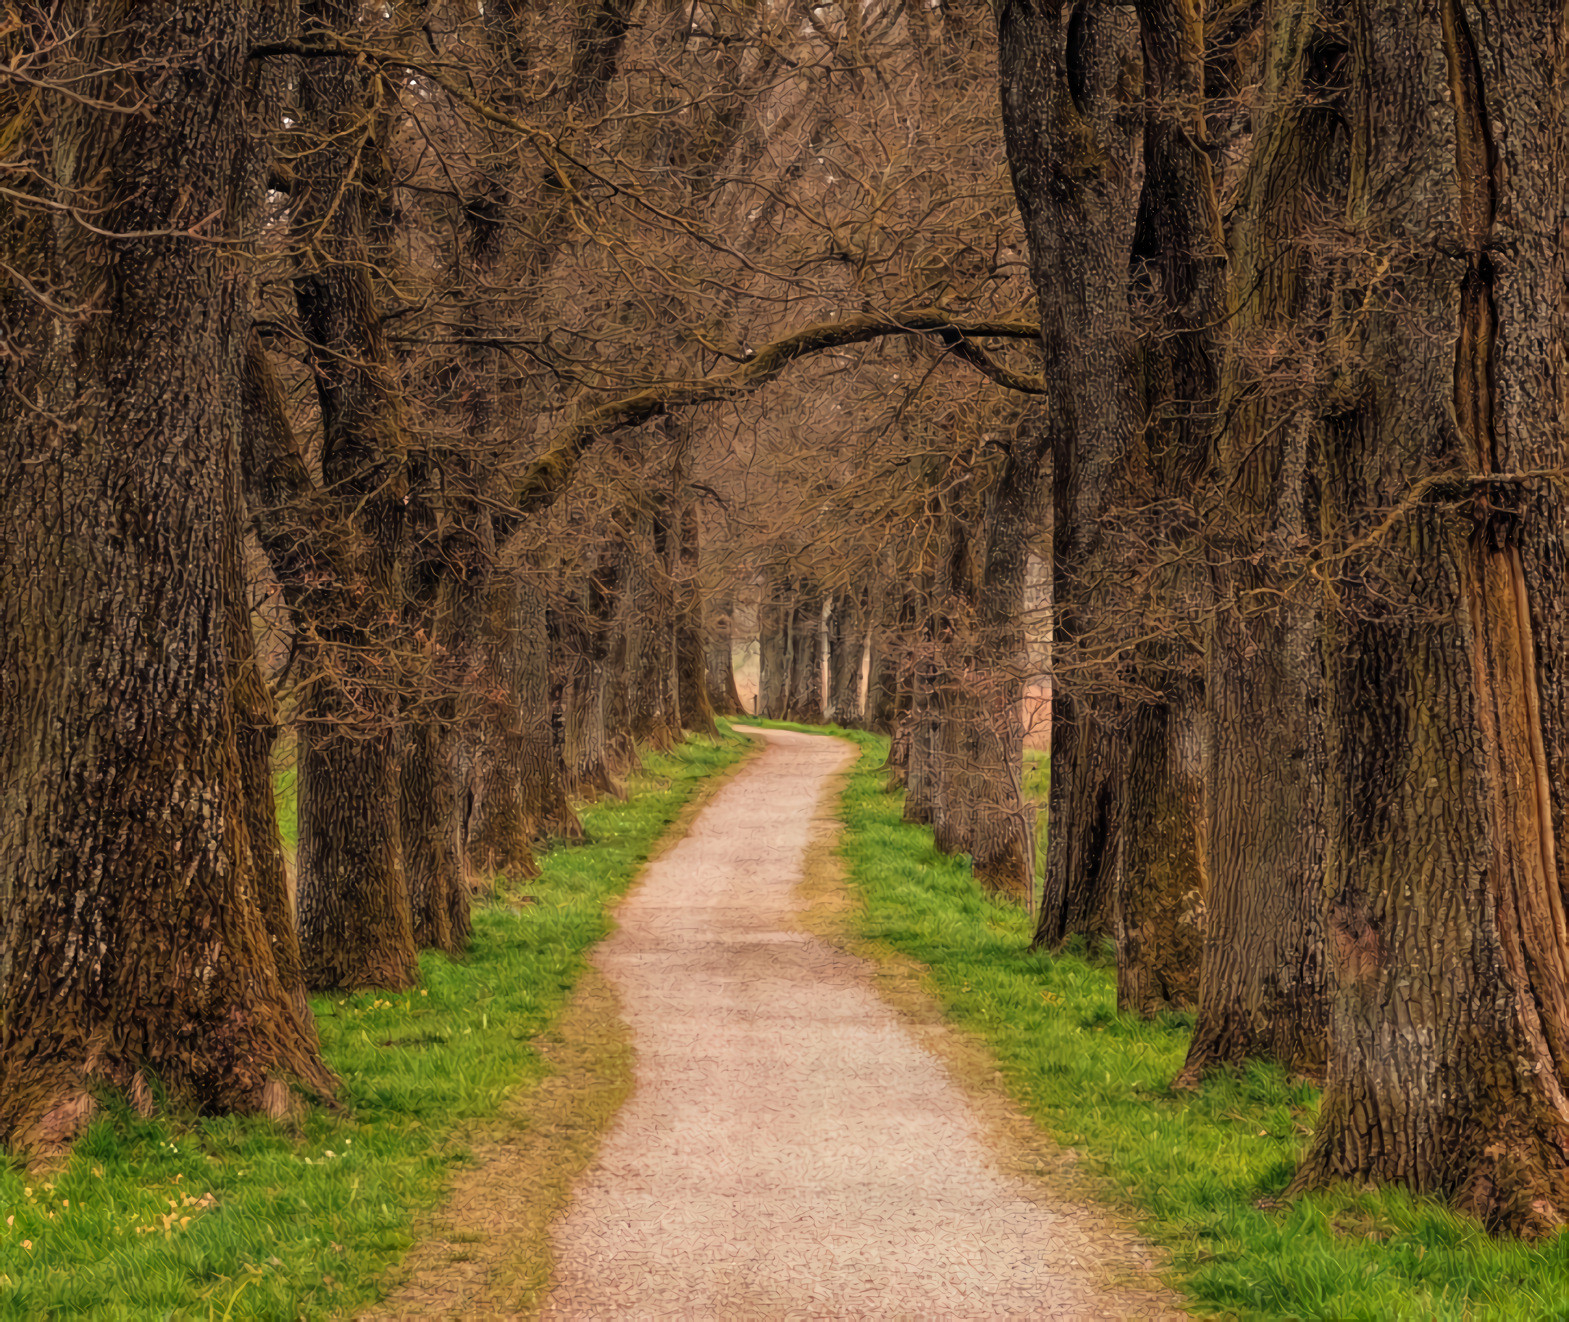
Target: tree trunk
pixel 697 712
pixel 430 827
pixel 805 702
pixel 655 703
pixel 133 950
pixel 773 647
pixel 1263 990
pixel 1158 899
pixel 1450 1019
pixel 846 652
pixel 356 929
pixel 723 696
pixel 882 679
pixel 512 790
pixel 255 732
pixel 1161 881
pixel 1072 151
pixel 1002 827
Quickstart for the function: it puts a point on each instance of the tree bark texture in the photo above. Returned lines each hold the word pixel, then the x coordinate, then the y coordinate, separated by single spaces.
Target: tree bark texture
pixel 1072 120
pixel 692 689
pixel 773 646
pixel 1002 828
pixel 1445 903
pixel 133 949
pixel 355 923
pixel 1264 986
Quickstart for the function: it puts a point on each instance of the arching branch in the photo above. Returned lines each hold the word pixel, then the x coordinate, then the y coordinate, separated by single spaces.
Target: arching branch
pixel 547 477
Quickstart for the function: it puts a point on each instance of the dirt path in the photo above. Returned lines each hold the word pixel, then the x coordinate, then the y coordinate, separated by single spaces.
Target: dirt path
pixel 789 1149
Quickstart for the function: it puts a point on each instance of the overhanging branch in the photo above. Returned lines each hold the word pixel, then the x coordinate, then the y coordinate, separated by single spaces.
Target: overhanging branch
pixel 547 477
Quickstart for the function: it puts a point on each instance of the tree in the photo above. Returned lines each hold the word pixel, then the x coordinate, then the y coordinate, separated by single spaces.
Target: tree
pixel 1447 1033
pixel 133 954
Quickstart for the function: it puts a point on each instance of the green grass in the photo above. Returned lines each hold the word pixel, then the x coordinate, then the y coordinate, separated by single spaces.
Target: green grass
pixel 249 1218
pixel 1188 1169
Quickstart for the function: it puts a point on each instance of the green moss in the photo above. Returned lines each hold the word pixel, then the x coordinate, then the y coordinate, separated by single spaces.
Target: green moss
pixel 304 1219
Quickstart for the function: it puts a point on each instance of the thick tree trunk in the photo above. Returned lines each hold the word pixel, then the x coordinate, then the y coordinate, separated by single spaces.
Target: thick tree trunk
pixel 356 928
pixel 1161 880
pixel 1072 142
pixel 1085 813
pixel 133 953
pixel 430 827
pixel 1450 1019
pixel 846 653
pixel 513 792
pixel 355 925
pixel 1263 990
pixel 1158 899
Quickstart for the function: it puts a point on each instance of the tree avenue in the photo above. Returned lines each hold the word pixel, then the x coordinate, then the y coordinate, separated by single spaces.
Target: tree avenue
pixel 440 401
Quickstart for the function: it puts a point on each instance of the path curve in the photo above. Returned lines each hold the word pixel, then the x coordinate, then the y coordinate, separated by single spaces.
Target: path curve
pixel 789 1149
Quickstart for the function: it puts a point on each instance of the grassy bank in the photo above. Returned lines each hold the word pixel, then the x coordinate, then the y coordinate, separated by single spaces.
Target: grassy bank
pixel 1189 1170
pixel 249 1218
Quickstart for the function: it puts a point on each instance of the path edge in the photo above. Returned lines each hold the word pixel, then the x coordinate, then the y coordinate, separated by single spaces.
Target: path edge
pixel 553 1130
pixel 828 905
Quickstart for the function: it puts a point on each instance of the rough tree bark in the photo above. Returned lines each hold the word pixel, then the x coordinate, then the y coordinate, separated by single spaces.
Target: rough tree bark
pixel 691 642
pixel 1450 1019
pixel 773 645
pixel 132 947
pixel 1179 281
pixel 355 922
pixel 1263 989
pixel 1002 827
pixel 882 669
pixel 1072 119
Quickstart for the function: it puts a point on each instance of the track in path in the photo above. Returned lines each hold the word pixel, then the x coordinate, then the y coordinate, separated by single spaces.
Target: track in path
pixel 790 1151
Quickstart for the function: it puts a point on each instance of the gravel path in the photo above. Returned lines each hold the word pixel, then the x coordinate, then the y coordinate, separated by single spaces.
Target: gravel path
pixel 790 1151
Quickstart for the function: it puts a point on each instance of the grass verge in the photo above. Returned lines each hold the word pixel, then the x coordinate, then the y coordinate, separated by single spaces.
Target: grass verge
pixel 228 1217
pixel 1189 1170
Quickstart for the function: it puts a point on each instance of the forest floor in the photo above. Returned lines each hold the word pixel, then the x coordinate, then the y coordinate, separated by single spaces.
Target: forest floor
pixel 794 1144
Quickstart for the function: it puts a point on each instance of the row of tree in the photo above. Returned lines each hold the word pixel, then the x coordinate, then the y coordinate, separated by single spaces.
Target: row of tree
pixel 351 360
pixel 405 385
